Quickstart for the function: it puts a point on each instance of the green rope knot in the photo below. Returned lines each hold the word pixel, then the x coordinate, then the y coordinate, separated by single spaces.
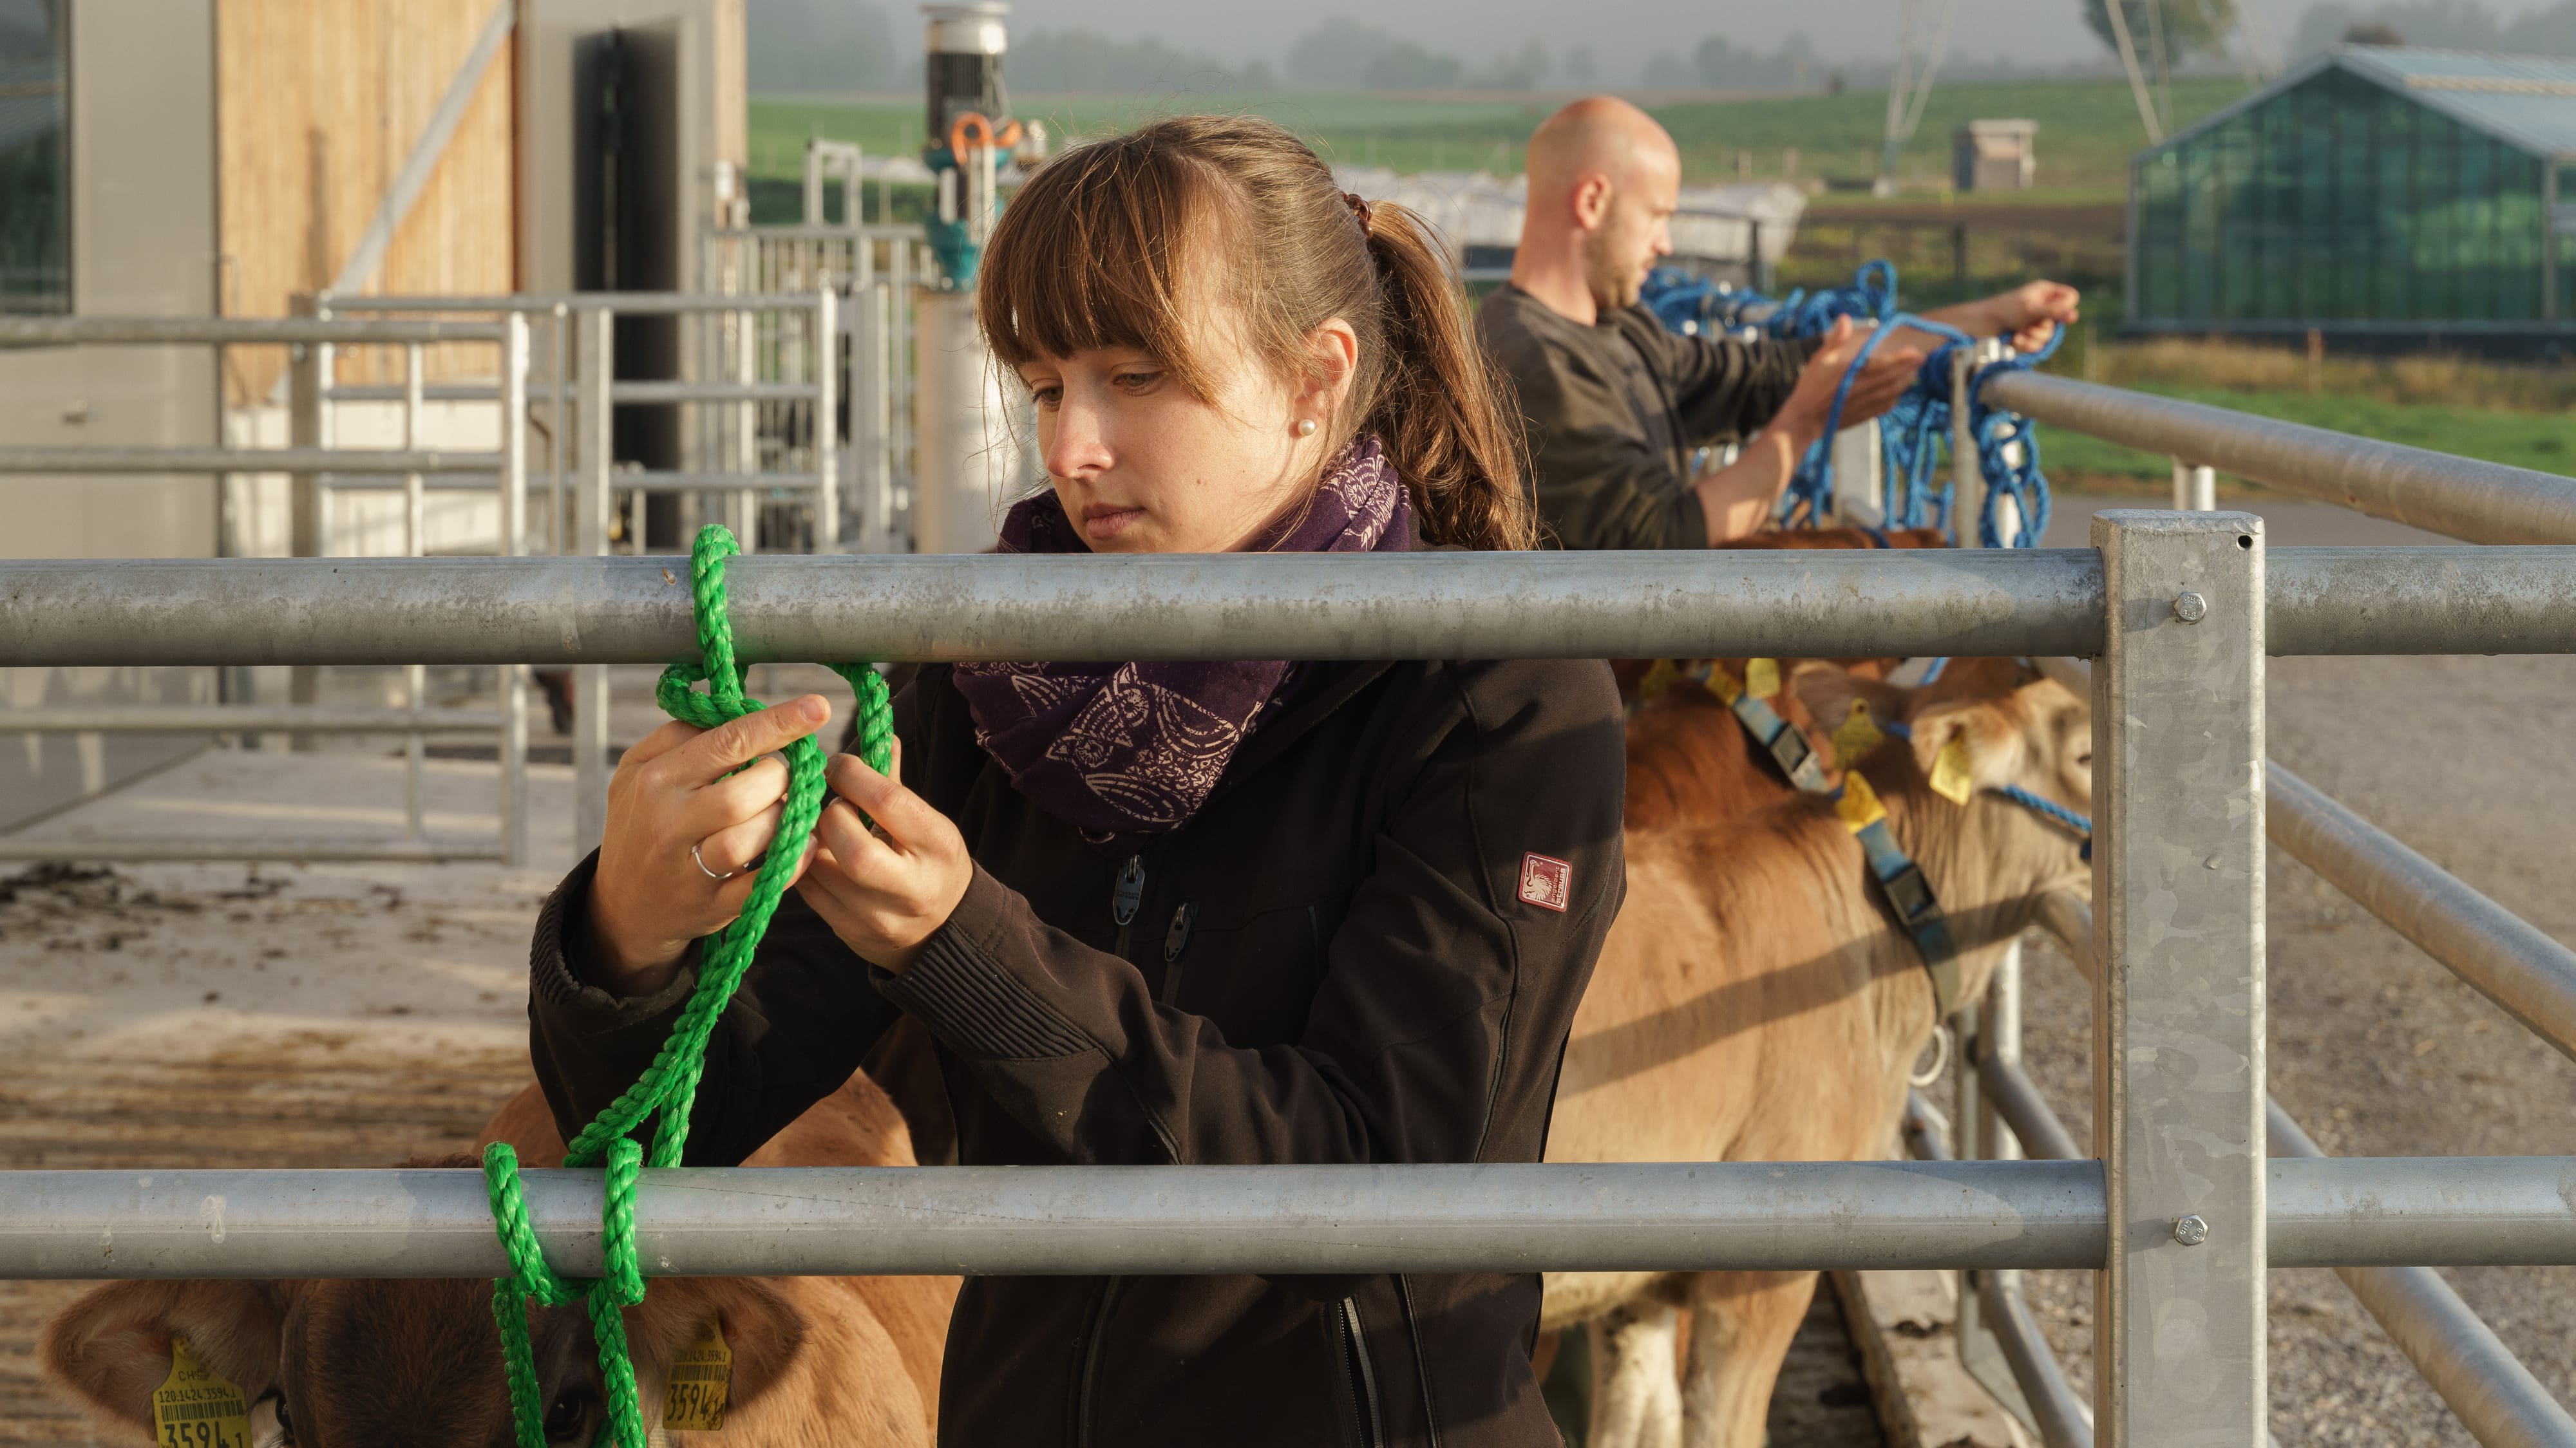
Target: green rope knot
pixel 669 1086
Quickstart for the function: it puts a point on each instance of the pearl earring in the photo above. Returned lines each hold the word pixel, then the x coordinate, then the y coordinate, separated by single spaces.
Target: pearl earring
pixel 1305 427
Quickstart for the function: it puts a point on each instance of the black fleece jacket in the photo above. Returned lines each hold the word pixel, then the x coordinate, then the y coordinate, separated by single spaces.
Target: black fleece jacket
pixel 1614 411
pixel 1337 960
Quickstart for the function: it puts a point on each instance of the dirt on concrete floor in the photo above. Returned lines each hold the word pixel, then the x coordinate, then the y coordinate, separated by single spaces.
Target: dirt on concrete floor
pixel 256 1016
pixel 2374 1048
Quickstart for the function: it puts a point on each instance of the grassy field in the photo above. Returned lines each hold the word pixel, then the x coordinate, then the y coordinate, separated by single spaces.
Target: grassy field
pixel 2087 129
pixel 2513 415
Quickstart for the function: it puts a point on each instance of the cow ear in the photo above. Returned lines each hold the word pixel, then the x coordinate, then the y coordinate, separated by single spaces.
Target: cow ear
pixel 111 1347
pixel 1828 691
pixel 1981 728
pixel 762 1330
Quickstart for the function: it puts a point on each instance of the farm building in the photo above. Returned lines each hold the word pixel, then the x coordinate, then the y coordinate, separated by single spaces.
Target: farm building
pixel 2383 196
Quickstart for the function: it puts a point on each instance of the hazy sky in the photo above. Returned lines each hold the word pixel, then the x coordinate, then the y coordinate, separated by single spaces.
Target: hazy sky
pixel 1621 32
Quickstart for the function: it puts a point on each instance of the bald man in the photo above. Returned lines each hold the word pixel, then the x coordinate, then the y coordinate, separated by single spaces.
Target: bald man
pixel 1615 404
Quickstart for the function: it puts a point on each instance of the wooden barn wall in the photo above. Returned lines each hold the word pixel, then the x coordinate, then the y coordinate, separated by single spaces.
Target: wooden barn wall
pixel 318 103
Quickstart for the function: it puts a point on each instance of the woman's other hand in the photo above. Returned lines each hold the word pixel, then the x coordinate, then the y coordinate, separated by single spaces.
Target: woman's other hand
pixel 884 892
pixel 676 790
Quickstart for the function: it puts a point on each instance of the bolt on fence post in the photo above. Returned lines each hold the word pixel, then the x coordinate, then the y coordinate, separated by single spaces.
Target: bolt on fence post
pixel 2178 1048
pixel 591 501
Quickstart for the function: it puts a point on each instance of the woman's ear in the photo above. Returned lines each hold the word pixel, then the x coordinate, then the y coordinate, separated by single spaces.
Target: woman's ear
pixel 1332 360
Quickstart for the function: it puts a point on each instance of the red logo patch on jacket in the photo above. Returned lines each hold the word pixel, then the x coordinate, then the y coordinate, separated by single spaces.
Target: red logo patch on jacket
pixel 1546 881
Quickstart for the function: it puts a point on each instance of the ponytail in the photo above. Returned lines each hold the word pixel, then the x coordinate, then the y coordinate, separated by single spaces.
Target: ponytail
pixel 1440 408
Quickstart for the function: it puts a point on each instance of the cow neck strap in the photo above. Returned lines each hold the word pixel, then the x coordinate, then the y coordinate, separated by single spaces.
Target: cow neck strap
pixel 1909 892
pixel 669 1087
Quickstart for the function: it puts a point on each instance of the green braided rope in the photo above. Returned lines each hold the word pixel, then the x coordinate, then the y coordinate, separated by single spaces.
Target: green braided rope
pixel 670 1085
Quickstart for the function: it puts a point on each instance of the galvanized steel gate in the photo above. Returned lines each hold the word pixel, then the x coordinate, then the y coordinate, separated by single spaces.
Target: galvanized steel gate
pixel 2182 1214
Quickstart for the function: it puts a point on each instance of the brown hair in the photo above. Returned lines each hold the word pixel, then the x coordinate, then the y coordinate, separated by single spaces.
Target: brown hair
pixel 1094 252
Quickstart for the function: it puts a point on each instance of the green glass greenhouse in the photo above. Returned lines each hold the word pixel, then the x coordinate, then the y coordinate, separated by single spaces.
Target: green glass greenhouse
pixel 2380 194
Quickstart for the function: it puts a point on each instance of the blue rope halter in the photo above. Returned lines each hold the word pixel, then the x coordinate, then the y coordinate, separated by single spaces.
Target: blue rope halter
pixel 2050 809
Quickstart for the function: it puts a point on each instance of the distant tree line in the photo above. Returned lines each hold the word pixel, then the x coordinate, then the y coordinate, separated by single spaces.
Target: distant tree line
pixel 2446 24
pixel 852 45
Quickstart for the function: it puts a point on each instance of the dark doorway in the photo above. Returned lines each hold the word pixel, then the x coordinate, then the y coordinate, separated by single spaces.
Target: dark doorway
pixel 626 229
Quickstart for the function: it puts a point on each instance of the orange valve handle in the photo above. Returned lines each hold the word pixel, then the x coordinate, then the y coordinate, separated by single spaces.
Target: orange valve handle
pixel 957 129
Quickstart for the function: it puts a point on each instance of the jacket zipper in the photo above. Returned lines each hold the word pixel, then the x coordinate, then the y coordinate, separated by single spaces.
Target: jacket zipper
pixel 1363 1374
pixel 1091 1363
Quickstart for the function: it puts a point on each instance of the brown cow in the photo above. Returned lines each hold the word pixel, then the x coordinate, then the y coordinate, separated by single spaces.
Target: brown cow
pixel 1755 1002
pixel 377 1364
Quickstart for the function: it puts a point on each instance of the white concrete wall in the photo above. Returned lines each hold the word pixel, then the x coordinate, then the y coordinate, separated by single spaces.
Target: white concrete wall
pixel 142 118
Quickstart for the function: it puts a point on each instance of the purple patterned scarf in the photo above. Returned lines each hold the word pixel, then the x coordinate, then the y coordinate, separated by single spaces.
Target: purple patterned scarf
pixel 1128 750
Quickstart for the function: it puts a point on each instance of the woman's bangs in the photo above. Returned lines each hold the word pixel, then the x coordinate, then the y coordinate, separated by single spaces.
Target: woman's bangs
pixel 1090 262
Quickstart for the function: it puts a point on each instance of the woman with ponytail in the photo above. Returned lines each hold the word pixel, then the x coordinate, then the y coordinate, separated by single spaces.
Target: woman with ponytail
pixel 1192 913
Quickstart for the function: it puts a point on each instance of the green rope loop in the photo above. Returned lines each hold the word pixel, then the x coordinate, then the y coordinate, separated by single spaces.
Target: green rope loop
pixel 669 1086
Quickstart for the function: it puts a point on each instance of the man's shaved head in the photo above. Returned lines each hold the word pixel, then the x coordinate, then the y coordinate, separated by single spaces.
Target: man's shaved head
pixel 1603 181
pixel 1598 136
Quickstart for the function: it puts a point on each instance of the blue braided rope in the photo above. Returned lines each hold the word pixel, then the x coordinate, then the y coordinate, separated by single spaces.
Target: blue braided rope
pixel 2006 477
pixel 2050 809
pixel 1914 435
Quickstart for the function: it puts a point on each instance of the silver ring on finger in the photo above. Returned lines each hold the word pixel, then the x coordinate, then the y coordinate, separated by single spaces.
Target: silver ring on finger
pixel 703 870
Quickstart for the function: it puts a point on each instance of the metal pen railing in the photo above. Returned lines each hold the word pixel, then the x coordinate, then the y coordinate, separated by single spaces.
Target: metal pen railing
pixel 312 459
pixel 2183 1214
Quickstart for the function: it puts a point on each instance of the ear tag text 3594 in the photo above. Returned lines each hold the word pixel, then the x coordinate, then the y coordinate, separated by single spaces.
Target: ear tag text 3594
pixel 701 1383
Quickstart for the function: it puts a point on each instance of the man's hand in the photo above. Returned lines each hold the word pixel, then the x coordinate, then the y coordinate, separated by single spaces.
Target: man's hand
pixel 2029 314
pixel 1883 379
pixel 884 892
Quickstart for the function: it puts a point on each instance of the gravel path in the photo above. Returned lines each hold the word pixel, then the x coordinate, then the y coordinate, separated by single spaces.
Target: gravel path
pixel 2376 1049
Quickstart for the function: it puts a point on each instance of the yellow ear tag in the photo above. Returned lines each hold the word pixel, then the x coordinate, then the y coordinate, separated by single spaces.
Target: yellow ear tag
pixel 701 1381
pixel 1858 803
pixel 1723 685
pixel 1950 774
pixel 196 1408
pixel 1762 677
pixel 1662 676
pixel 1856 736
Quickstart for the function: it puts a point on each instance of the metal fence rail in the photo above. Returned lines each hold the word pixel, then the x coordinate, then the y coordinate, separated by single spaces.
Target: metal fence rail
pixel 2183 1215
pixel 2495 1396
pixel 1079 1221
pixel 2461 497
pixel 1329 606
pixel 314 464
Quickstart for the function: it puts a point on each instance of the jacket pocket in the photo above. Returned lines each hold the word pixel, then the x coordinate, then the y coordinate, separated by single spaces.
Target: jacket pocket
pixel 1367 1425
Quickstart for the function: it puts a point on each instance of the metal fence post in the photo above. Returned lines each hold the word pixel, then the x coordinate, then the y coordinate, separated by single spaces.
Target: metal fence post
pixel 871 414
pixel 308 424
pixel 827 421
pixel 2195 490
pixel 592 499
pixel 514 543
pixel 2178 1046
pixel 415 544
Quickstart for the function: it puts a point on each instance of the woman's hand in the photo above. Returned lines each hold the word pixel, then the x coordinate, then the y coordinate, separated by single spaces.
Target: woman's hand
pixel 675 790
pixel 884 893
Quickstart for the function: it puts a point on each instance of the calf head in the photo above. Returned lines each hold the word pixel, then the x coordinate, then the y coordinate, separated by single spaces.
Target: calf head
pixel 2011 727
pixel 399 1363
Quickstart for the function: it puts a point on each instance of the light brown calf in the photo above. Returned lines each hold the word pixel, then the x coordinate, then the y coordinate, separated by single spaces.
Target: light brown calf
pixel 1755 1002
pixel 388 1364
